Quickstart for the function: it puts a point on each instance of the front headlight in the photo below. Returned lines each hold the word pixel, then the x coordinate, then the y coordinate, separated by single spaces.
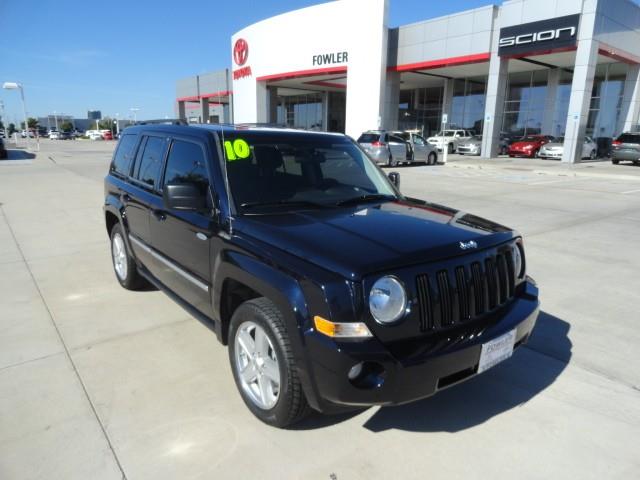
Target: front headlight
pixel 518 260
pixel 387 300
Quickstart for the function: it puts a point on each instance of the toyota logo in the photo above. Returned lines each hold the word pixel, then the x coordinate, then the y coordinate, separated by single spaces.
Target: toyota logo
pixel 241 51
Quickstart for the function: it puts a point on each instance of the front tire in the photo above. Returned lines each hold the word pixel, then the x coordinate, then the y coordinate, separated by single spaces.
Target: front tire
pixel 124 265
pixel 432 159
pixel 263 365
pixel 615 162
pixel 593 155
pixel 450 148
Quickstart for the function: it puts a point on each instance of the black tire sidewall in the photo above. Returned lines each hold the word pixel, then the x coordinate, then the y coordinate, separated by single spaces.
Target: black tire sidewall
pixel 278 415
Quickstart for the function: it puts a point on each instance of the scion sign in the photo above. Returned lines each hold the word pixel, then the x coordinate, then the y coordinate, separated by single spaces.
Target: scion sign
pixel 543 36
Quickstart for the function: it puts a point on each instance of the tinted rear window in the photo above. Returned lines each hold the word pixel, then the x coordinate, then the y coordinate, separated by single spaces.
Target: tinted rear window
pixel 124 154
pixel 369 138
pixel 629 138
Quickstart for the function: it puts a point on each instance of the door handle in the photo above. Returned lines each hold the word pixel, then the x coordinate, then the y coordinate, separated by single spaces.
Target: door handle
pixel 159 215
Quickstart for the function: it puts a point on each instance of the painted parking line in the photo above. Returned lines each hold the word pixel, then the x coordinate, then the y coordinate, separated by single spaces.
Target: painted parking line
pixel 631 191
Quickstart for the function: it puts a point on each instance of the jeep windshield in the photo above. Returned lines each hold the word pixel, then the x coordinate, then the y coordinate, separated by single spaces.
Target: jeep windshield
pixel 273 171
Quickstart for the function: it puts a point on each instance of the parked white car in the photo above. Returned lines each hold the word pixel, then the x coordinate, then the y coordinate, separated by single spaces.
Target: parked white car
pixel 53 135
pixel 555 149
pixel 94 135
pixel 449 139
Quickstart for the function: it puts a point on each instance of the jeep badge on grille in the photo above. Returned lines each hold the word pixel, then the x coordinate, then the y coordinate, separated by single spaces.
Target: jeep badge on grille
pixel 468 245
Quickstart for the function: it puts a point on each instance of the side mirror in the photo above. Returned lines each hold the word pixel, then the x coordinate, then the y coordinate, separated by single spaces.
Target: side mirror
pixel 395 179
pixel 183 196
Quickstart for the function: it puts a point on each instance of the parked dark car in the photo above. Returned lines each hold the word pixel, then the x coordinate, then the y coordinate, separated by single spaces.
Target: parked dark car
pixel 3 150
pixel 331 288
pixel 626 148
pixel 529 146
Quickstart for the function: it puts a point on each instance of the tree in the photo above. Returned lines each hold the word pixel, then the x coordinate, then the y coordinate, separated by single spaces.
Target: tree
pixel 66 126
pixel 32 122
pixel 12 128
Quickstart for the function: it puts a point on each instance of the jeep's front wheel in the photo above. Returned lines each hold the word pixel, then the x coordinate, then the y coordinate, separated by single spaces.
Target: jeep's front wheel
pixel 123 264
pixel 263 366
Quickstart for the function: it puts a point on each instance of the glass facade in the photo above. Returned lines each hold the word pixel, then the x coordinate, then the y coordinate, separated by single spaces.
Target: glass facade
pixel 467 104
pixel 421 110
pixel 303 110
pixel 606 100
pixel 524 103
pixel 563 94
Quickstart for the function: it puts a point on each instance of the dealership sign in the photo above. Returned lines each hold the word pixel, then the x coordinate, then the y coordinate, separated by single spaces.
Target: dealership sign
pixel 553 34
pixel 240 56
pixel 330 58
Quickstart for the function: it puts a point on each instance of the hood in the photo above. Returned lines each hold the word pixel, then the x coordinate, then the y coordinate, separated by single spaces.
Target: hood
pixel 360 240
pixel 553 145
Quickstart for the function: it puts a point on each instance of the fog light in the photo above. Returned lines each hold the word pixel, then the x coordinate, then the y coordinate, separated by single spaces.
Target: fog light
pixel 355 371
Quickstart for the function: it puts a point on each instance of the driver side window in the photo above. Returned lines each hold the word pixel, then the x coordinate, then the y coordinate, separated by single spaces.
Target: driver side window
pixel 187 164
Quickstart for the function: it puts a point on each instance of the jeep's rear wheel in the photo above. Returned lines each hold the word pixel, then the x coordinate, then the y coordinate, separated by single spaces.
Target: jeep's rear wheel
pixel 263 365
pixel 123 264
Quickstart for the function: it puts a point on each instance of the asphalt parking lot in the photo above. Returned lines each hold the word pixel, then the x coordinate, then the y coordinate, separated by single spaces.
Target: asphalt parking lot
pixel 101 383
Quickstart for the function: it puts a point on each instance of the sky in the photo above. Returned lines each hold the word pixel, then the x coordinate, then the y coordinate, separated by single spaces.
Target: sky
pixel 74 56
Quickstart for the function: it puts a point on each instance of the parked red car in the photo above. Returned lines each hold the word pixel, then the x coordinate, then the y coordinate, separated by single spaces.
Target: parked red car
pixel 529 146
pixel 107 135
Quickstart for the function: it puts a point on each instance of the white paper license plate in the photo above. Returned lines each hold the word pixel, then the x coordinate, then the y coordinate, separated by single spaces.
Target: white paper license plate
pixel 496 351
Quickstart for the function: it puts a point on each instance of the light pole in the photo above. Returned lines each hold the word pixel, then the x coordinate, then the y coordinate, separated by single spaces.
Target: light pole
pixel 117 125
pixel 18 86
pixel 135 111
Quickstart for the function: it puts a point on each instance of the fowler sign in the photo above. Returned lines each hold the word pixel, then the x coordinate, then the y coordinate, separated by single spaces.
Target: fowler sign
pixel 552 34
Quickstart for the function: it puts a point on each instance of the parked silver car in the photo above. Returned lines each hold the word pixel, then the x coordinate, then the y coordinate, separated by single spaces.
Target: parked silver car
pixel 472 146
pixel 384 148
pixel 626 148
pixel 420 151
pixel 555 149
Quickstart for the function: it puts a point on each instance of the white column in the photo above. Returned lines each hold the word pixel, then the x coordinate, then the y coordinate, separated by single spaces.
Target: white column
pixel 262 103
pixel 366 76
pixel 548 128
pixel 580 100
pixel 630 117
pixel 494 105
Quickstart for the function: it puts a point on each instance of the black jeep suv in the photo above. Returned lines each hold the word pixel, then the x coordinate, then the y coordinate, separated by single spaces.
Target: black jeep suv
pixel 330 287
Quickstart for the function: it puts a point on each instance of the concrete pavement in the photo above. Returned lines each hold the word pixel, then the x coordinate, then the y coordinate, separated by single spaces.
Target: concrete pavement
pixel 99 382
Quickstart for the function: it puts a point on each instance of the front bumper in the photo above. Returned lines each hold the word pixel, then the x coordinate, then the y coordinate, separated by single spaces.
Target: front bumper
pixel 407 381
pixel 522 153
pixel 469 150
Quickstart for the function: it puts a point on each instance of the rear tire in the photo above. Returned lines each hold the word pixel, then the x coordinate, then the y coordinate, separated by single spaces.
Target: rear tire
pixel 286 406
pixel 615 162
pixel 450 148
pixel 124 266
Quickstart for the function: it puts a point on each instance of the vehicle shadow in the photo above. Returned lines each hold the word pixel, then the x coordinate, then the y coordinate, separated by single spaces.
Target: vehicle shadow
pixel 532 369
pixel 15 154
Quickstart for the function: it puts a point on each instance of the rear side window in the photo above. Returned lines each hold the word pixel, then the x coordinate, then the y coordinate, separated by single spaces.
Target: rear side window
pixel 149 164
pixel 186 164
pixel 394 139
pixel 124 155
pixel 629 138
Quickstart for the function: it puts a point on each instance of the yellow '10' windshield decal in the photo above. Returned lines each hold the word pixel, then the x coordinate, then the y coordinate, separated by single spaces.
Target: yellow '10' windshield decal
pixel 237 149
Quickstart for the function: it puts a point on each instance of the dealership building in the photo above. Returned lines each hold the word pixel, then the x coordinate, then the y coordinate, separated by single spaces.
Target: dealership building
pixel 566 68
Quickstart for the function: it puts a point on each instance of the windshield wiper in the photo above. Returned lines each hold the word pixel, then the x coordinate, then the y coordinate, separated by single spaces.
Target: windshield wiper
pixel 364 198
pixel 288 203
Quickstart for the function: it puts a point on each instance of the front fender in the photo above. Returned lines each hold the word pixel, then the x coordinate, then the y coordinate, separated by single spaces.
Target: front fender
pixel 285 291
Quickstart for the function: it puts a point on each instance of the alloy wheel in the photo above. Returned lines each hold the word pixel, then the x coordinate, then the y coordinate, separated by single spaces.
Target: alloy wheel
pixel 119 255
pixel 257 365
